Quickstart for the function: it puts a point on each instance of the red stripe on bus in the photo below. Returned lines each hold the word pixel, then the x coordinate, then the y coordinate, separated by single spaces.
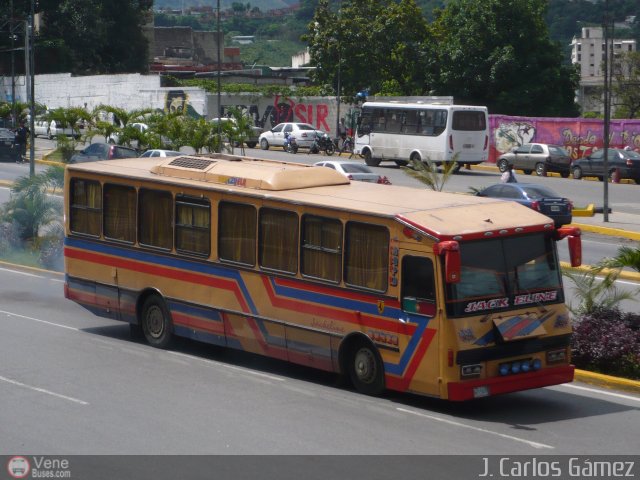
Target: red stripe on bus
pixel 197 323
pixel 285 282
pixel 348 316
pixel 402 383
pixel 181 275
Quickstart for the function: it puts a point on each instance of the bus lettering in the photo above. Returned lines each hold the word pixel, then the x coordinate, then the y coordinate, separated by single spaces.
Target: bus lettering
pixel 535 297
pixel 487 305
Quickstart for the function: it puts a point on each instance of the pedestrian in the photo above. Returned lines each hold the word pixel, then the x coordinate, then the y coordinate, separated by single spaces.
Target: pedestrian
pixel 22 132
pixel 508 176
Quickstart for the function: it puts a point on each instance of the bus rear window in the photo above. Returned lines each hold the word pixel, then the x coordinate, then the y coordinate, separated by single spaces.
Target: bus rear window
pixel 469 120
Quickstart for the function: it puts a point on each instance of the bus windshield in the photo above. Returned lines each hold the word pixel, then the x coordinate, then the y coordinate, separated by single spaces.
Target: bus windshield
pixel 505 273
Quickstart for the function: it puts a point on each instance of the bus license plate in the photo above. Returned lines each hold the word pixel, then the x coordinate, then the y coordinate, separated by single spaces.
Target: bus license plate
pixel 479 392
pixel 468 145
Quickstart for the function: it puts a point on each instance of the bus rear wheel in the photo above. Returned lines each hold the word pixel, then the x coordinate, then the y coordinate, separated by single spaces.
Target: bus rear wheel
pixel 365 369
pixel 156 322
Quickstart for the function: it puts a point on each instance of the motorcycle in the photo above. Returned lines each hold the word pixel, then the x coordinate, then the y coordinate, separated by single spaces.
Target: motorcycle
pixel 322 143
pixel 290 145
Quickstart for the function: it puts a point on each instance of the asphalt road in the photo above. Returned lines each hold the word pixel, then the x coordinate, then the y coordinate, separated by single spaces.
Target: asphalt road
pixel 73 383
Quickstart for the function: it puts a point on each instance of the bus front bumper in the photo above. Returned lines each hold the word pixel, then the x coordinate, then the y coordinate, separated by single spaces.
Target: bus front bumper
pixel 459 391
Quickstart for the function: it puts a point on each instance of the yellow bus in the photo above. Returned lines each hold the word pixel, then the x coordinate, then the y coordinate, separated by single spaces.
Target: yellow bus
pixel 445 295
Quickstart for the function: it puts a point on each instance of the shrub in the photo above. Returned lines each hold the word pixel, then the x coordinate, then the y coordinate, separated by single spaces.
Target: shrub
pixel 607 340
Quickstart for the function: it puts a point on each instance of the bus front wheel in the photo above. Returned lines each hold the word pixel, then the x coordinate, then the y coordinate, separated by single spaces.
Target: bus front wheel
pixel 365 369
pixel 156 322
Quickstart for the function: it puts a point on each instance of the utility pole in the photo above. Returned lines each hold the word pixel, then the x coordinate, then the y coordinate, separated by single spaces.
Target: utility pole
pixel 219 113
pixel 607 109
pixel 30 55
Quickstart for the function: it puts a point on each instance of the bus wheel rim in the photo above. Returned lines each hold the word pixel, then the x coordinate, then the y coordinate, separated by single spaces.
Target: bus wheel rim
pixel 155 322
pixel 365 365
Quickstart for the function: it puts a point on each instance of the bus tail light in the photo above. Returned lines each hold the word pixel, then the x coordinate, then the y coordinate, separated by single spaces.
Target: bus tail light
pixel 557 356
pixel 471 371
pixel 486 142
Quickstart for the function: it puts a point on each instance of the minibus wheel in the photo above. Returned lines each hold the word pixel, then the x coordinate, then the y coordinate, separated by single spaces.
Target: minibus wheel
pixel 156 322
pixel 369 160
pixel 365 368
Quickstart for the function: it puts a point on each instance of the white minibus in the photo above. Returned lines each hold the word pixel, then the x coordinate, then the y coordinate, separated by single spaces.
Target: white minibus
pixel 399 131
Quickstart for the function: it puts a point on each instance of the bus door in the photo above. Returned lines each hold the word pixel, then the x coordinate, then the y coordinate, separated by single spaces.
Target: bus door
pixel 419 322
pixel 392 143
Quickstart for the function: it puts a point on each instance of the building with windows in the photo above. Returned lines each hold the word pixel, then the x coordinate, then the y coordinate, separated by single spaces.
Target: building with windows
pixel 588 52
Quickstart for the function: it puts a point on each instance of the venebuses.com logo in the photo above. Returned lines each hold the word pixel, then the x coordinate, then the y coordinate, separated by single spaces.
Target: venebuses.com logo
pixel 18 467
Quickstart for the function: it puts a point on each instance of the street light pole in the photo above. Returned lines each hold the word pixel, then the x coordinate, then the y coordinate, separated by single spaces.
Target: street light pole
pixel 219 112
pixel 32 104
pixel 607 112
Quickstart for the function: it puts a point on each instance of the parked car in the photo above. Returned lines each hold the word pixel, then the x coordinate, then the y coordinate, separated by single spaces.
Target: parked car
pixel 251 141
pixel 303 133
pixel 41 128
pixel 56 129
pixel 537 197
pixel 627 162
pixel 538 157
pixel 161 153
pixel 103 151
pixel 8 150
pixel 354 171
pixel 114 138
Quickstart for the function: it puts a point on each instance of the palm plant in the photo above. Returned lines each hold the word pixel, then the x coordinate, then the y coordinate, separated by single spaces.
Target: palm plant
pixel 594 292
pixel 626 257
pixel 31 206
pixel 427 172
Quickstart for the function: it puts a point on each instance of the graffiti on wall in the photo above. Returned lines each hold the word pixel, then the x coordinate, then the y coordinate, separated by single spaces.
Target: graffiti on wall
pixel 177 101
pixel 579 136
pixel 285 109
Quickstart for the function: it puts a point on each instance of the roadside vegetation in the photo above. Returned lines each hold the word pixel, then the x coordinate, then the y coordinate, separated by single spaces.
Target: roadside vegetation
pixel 606 339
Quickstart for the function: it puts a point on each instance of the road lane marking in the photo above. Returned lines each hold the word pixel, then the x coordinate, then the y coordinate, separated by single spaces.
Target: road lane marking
pixel 601 392
pixel 42 390
pixel 232 367
pixel 21 273
pixel 477 429
pixel 11 314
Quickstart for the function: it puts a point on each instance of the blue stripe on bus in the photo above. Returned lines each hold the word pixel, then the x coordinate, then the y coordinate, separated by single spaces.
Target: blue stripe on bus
pixel 165 261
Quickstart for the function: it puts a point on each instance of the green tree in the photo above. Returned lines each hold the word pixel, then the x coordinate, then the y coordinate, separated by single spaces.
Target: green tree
pixel 626 85
pixel 372 43
pixel 594 292
pixel 625 257
pixel 95 36
pixel 498 53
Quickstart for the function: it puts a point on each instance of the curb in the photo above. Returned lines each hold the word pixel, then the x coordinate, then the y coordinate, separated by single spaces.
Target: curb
pixel 614 232
pixel 623 274
pixel 607 381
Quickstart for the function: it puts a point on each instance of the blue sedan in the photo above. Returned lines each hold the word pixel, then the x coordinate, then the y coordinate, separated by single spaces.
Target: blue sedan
pixel 537 197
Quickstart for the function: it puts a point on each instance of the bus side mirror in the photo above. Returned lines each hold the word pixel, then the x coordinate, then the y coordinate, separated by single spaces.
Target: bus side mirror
pixel 452 262
pixel 574 240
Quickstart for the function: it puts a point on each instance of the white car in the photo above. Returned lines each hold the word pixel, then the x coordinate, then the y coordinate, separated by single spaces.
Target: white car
pixel 161 153
pixel 303 133
pixel 114 138
pixel 354 171
pixel 251 140
pixel 55 129
pixel 41 128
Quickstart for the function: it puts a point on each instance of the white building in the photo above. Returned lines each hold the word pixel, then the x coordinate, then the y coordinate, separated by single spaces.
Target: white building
pixel 588 52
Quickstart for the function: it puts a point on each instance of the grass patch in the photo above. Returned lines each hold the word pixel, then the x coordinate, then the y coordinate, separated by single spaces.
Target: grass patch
pixel 27 258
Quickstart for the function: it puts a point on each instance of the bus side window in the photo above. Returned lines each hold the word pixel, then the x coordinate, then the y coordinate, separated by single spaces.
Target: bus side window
pixel 418 286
